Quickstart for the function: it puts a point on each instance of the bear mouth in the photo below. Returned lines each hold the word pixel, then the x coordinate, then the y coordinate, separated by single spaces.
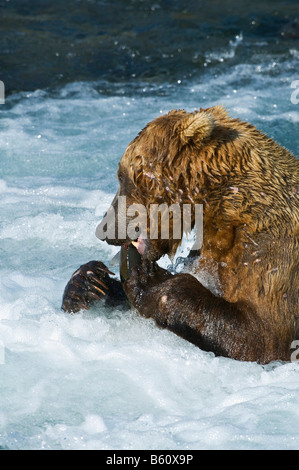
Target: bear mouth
pixel 139 244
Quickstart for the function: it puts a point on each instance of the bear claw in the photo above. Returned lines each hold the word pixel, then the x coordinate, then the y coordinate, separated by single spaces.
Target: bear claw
pixel 86 285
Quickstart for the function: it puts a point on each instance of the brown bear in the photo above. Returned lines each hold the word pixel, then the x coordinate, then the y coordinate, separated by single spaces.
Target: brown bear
pixel 249 188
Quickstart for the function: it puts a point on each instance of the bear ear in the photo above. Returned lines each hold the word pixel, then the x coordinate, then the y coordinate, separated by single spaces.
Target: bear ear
pixel 195 127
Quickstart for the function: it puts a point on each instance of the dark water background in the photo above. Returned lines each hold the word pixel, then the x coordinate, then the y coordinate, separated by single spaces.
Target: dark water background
pixel 46 43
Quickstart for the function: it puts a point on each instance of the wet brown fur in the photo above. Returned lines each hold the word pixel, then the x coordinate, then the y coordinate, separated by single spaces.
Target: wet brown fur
pixel 249 186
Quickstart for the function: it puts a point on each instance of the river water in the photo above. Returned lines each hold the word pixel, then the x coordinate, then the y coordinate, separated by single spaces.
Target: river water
pixel 107 379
